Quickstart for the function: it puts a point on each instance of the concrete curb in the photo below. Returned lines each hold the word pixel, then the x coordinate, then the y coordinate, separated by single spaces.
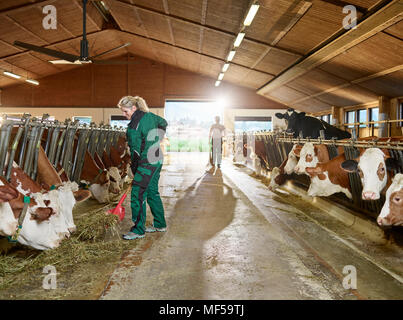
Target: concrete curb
pixel 345 215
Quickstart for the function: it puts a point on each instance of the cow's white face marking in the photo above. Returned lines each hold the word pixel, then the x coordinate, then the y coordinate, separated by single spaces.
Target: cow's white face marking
pixel 372 182
pixel 291 162
pixel 386 217
pixel 100 192
pixel 114 185
pixel 307 158
pixel 8 223
pixel 274 173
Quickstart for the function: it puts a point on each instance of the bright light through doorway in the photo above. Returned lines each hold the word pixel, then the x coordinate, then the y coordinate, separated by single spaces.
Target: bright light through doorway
pixel 189 123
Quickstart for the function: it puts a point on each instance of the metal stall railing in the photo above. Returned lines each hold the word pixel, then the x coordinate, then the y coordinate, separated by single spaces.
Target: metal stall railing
pixel 65 143
pixel 278 146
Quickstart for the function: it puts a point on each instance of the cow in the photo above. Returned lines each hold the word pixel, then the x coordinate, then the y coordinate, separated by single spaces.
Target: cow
pixel 8 220
pixel 309 156
pixel 310 126
pixel 60 199
pixel 95 178
pixel 39 230
pixel 372 166
pixel 279 175
pixel 114 174
pixel 48 177
pixel 392 210
pixel 328 178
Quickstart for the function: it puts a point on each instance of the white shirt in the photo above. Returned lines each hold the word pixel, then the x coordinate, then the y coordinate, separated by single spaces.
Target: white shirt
pixel 216 131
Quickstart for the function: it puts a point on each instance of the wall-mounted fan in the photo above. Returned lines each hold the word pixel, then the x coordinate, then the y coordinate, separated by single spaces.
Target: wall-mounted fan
pixel 67 58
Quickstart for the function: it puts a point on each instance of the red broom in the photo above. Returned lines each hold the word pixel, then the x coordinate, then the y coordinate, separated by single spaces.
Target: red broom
pixel 119 210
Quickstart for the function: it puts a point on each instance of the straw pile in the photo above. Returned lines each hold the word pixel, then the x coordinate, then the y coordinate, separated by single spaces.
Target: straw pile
pixel 87 244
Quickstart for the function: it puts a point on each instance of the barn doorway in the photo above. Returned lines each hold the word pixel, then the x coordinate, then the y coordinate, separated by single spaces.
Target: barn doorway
pixel 189 124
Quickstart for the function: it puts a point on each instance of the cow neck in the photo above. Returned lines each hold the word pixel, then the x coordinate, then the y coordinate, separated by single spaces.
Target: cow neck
pixel 20 179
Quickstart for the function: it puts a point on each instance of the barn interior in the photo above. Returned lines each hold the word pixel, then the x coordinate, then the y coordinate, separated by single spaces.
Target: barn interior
pixel 339 61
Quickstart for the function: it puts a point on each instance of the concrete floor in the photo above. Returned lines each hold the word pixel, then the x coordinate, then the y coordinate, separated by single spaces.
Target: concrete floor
pixel 229 237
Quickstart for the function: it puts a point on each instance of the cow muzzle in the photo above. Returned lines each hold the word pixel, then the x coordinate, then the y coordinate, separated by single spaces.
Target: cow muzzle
pixel 370 195
pixel 383 222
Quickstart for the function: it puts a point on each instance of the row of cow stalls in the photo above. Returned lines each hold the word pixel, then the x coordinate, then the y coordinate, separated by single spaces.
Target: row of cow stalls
pixel 278 146
pixel 22 138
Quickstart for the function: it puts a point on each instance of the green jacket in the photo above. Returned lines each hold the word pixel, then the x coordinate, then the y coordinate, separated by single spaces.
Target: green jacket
pixel 143 140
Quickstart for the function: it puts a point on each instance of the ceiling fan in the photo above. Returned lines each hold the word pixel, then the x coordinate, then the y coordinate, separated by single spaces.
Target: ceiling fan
pixel 67 58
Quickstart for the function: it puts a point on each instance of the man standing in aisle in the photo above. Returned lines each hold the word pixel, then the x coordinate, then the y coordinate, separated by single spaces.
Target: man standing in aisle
pixel 217 132
pixel 144 133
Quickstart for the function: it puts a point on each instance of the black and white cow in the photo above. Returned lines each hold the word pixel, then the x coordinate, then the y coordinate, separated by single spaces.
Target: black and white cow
pixel 310 126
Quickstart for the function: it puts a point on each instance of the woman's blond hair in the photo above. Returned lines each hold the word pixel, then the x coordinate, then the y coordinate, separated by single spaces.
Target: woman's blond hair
pixel 128 102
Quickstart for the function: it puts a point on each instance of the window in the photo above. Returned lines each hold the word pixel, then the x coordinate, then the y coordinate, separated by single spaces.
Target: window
pixel 248 124
pixel 400 113
pixel 350 118
pixel 374 116
pixel 119 120
pixel 326 118
pixel 362 117
pixel 82 120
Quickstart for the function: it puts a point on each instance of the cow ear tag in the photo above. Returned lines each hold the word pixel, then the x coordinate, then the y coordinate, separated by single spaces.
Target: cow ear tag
pixel 27 199
pixel 53 187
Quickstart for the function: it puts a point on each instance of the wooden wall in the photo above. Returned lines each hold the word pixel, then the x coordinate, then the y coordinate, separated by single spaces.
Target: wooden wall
pixel 101 86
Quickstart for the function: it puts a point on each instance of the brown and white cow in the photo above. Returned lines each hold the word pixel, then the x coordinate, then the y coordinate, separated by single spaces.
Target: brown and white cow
pixel 371 165
pixel 392 210
pixel 328 178
pixel 114 174
pixel 280 175
pixel 39 230
pixel 310 155
pixel 96 178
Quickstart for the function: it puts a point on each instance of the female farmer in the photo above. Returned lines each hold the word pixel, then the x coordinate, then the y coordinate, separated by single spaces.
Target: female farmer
pixel 144 133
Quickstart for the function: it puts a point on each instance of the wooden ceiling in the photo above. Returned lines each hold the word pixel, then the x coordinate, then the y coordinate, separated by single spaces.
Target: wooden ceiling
pixel 295 52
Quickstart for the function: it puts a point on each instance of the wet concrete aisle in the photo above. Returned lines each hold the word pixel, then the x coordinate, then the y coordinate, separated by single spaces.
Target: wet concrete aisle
pixel 225 240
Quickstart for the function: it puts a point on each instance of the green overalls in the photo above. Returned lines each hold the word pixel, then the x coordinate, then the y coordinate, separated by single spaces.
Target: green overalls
pixel 146 164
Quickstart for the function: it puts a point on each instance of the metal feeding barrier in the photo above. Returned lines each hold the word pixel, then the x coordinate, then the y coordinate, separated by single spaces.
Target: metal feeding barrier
pixel 277 147
pixel 65 144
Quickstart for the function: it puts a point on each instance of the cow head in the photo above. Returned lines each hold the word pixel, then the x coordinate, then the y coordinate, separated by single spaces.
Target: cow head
pixel 372 166
pixel 292 119
pixel 292 159
pixel 392 210
pixel 115 178
pixel 308 158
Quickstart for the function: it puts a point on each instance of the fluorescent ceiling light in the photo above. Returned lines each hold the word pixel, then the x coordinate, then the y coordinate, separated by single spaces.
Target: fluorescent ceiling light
pixel 35 82
pixel 251 14
pixel 13 75
pixel 225 67
pixel 220 76
pixel 217 83
pixel 239 39
pixel 231 55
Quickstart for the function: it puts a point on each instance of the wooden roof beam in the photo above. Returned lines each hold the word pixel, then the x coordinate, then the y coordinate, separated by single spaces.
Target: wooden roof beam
pixel 347 84
pixel 203 22
pixel 26 7
pixel 88 15
pixel 342 4
pixel 111 10
pixel 299 14
pixel 380 20
pixel 193 51
pixel 49 45
pixel 13 21
pixel 193 23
